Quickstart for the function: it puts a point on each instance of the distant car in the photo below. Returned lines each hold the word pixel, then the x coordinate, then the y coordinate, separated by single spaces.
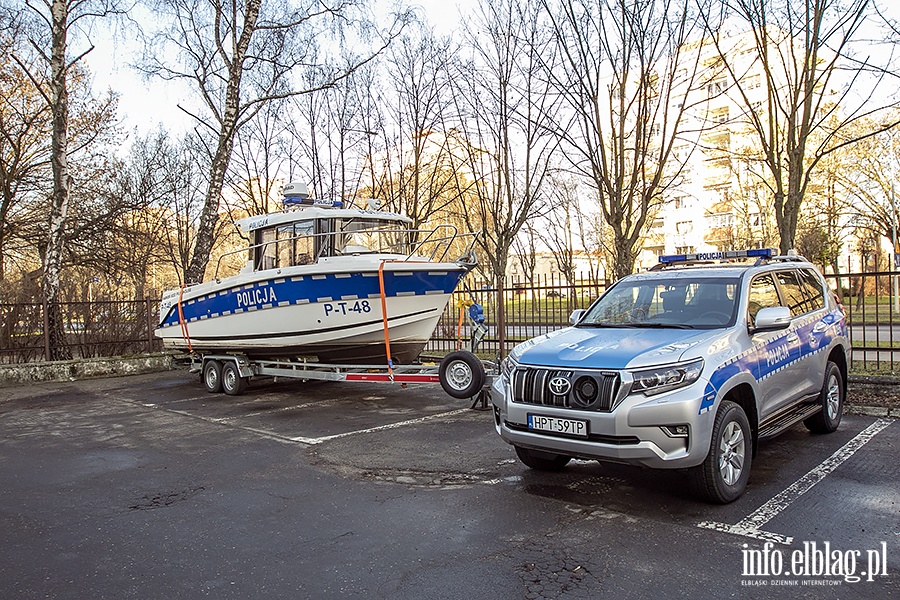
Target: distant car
pixel 555 294
pixel 687 366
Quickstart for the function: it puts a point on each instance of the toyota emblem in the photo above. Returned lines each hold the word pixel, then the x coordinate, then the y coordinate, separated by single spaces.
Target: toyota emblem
pixel 559 386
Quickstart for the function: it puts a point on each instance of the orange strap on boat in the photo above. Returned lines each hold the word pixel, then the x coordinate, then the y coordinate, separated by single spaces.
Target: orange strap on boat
pixel 183 323
pixel 463 305
pixel 384 318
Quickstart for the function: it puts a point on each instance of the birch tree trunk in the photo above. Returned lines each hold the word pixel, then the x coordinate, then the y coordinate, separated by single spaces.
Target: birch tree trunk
pixel 210 215
pixel 59 202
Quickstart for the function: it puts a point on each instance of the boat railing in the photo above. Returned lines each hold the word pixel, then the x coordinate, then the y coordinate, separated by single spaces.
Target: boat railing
pixel 442 245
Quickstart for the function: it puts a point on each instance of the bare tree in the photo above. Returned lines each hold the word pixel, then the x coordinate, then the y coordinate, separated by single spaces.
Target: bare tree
pixel 559 230
pixel 240 55
pixel 815 56
pixel 873 185
pixel 261 153
pixel 627 77
pixel 503 104
pixel 49 29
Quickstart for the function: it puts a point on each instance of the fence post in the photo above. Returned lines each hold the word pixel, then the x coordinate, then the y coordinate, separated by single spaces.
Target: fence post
pixel 149 325
pixel 501 318
pixel 46 329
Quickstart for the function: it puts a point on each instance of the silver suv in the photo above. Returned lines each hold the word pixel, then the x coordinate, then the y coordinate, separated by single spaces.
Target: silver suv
pixel 686 366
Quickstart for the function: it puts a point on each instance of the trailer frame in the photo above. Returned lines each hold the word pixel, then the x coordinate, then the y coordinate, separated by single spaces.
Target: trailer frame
pixel 460 373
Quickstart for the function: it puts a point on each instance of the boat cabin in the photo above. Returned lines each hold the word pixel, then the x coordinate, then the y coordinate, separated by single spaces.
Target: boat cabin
pixel 304 236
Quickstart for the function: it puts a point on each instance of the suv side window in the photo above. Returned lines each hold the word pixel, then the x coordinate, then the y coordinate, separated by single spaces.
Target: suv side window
pixel 812 286
pixel 793 292
pixel 763 294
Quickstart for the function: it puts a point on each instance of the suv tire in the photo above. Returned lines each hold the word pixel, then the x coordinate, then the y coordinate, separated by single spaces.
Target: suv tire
pixel 832 400
pixel 722 476
pixel 542 461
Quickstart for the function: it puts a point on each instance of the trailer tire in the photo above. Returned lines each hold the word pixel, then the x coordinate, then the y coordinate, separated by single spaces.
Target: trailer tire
pixel 461 374
pixel 232 382
pixel 212 376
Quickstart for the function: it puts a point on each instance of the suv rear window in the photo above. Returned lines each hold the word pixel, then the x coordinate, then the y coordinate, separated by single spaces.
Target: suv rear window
pixel 792 290
pixel 812 287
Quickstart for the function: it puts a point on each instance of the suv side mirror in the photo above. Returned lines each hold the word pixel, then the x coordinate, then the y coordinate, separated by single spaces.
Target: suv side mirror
pixel 773 317
pixel 576 316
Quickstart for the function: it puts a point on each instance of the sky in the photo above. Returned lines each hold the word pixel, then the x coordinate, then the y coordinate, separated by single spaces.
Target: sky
pixel 144 104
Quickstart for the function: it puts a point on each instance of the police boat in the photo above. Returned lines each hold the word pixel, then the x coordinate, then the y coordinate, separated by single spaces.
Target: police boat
pixel 342 285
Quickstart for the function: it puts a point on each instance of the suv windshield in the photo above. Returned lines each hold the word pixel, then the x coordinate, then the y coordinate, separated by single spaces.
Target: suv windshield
pixel 705 303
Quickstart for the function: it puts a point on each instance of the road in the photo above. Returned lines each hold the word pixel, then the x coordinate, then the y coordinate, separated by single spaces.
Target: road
pixel 147 487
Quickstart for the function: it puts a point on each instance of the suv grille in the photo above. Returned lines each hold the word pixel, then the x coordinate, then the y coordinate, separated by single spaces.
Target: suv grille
pixel 565 389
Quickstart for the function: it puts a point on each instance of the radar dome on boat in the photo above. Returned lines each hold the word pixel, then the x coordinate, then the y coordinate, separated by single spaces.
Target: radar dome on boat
pixel 296 194
pixel 295 191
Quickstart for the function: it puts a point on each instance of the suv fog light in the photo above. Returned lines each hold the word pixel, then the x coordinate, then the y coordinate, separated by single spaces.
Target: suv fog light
pixel 675 431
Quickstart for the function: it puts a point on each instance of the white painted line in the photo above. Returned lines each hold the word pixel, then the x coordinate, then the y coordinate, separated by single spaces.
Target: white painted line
pixel 165 403
pixel 750 525
pixel 319 440
pixel 215 421
pixel 272 411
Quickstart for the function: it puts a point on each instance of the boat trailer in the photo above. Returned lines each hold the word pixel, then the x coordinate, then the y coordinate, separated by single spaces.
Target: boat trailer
pixel 461 374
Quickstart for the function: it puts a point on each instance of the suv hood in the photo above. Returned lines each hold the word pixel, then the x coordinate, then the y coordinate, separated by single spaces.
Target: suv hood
pixel 609 348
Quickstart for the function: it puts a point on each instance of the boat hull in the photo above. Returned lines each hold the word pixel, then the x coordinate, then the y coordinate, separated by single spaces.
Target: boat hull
pixel 335 316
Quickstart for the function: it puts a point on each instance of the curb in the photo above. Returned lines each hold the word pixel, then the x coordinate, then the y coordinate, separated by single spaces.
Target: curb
pixel 73 370
pixel 871 411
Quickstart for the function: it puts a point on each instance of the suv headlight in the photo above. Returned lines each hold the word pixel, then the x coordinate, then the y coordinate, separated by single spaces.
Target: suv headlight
pixel 507 366
pixel 662 379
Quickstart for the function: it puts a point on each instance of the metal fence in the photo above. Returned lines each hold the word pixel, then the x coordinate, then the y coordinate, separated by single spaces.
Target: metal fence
pixel 90 330
pixel 871 300
pixel 527 309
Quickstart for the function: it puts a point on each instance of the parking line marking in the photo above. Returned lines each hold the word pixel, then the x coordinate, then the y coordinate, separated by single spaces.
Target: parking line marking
pixel 319 440
pixel 225 422
pixel 750 525
pixel 272 411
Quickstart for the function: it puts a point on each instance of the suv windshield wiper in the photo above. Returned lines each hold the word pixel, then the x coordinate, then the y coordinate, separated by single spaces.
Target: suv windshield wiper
pixel 661 325
pixel 634 325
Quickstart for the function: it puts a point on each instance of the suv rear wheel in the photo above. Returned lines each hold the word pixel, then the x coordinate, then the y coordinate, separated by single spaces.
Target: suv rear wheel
pixel 723 475
pixel 832 399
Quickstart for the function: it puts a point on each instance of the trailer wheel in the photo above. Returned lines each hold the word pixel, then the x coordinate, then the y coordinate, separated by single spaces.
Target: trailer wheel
pixel 212 376
pixel 232 382
pixel 461 374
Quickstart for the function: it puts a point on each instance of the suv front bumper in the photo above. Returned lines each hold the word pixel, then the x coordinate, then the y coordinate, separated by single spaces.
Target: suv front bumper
pixel 639 430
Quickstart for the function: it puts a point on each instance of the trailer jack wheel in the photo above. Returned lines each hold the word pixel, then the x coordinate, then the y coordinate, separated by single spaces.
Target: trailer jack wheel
pixel 461 374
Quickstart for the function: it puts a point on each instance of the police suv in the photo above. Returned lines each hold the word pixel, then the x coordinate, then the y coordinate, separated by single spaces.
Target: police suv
pixel 686 366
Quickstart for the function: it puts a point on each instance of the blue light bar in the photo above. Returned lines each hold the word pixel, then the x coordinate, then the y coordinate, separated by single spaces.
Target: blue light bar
pixel 307 201
pixel 726 255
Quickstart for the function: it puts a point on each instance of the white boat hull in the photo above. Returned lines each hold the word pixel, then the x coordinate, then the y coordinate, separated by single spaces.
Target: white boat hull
pixel 336 316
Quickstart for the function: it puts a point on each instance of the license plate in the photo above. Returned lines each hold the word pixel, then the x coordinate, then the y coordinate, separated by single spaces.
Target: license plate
pixel 557 425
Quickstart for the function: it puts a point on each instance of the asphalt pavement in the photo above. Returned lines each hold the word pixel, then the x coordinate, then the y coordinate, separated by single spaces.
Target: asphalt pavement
pixel 148 487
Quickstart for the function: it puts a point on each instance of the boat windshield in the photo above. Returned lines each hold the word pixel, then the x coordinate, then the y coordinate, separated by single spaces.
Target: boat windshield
pixel 360 235
pixel 703 303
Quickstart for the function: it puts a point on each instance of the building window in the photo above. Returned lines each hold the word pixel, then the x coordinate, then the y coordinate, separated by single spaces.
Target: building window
pixel 720 220
pixel 715 88
pixel 684 227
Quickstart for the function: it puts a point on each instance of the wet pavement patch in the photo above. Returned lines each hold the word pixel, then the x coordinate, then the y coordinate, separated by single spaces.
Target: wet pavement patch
pixel 164 499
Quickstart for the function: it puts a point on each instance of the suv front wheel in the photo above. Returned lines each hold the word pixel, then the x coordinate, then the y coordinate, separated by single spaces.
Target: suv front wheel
pixel 723 475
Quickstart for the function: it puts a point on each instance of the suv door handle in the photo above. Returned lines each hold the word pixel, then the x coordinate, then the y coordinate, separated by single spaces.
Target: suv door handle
pixel 793 337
